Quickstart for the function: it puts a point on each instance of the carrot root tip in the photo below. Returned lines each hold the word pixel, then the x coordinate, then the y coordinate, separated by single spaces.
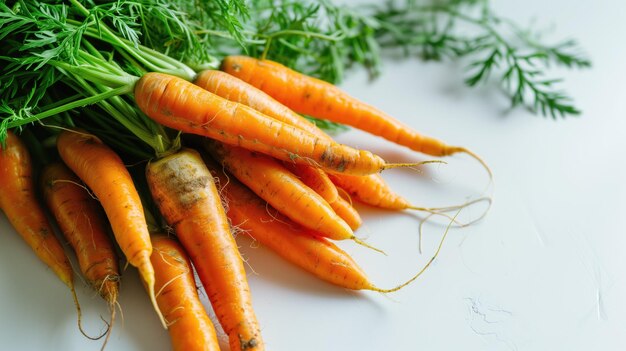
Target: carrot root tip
pixel 411 164
pixel 363 243
pixel 423 269
pixel 79 321
pixel 147 274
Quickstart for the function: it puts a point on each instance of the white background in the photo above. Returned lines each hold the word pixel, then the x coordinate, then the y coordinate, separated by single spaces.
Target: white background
pixel 543 271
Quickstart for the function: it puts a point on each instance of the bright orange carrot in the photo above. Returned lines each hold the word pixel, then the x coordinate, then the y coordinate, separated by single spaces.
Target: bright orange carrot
pixel 181 105
pixel 189 326
pixel 374 191
pixel 81 221
pixel 320 99
pixel 270 180
pixel 20 205
pixel 371 189
pixel 234 89
pixel 296 244
pixel 183 189
pixel 105 174
pixel 344 209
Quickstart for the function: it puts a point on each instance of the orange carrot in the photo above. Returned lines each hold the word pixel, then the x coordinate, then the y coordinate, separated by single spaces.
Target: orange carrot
pixel 20 205
pixel 374 191
pixel 270 180
pixel 81 221
pixel 189 326
pixel 320 99
pixel 183 189
pixel 296 244
pixel 178 104
pixel 371 189
pixel 105 174
pixel 344 209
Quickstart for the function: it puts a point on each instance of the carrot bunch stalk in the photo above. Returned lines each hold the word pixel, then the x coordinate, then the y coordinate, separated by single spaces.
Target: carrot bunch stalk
pixel 184 191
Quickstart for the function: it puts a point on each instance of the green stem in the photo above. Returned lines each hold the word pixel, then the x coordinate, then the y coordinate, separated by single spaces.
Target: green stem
pixel 153 60
pixel 95 74
pixel 72 105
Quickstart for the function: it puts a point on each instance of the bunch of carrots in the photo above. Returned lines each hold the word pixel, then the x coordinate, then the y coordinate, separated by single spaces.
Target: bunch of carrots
pixel 230 150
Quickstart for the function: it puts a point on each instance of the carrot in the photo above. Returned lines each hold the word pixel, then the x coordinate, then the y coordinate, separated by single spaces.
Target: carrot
pixel 374 191
pixel 105 174
pixel 270 180
pixel 282 189
pixel 320 99
pixel 370 189
pixel 234 89
pixel 189 326
pixel 344 209
pixel 183 189
pixel 181 105
pixel 301 246
pixel 296 244
pixel 20 205
pixel 81 221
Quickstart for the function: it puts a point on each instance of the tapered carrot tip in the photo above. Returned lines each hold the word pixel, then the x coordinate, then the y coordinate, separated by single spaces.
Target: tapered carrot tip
pixel 109 291
pixel 363 243
pixel 411 164
pixel 424 268
pixel 79 314
pixel 457 149
pixel 146 271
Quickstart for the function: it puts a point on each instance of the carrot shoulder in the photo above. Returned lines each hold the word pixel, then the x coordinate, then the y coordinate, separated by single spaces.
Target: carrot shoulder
pixel 19 203
pixel 105 174
pixel 189 326
pixel 183 189
pixel 184 106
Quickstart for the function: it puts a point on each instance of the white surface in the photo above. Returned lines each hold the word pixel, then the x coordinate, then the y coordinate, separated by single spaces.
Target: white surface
pixel 543 271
